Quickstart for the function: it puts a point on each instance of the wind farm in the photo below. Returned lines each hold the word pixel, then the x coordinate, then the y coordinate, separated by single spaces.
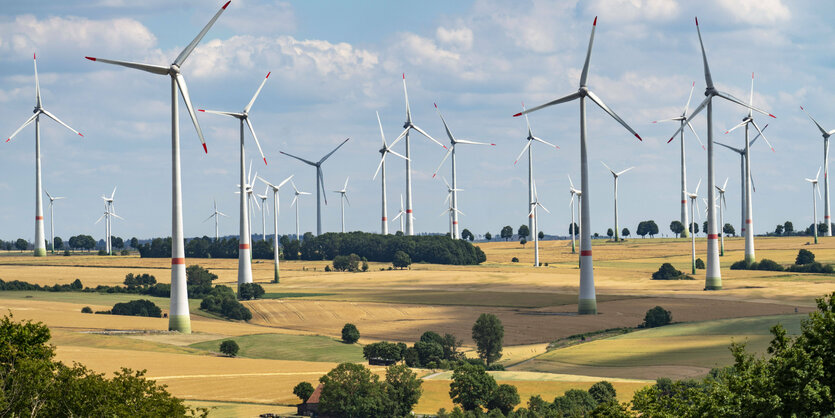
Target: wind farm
pixel 626 297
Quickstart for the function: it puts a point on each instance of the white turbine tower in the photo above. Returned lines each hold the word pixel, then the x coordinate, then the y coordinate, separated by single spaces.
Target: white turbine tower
pixel 587 303
pixel 682 119
pixel 573 191
pixel 451 211
pixel 408 126
pixel 320 182
pixel 815 203
pixel 52 200
pixel 616 175
pixel 275 220
pixel 245 214
pixel 178 318
pixel 343 197
pixel 692 226
pixel 826 134
pixel 40 241
pixel 749 208
pixel 400 215
pixel 381 168
pixel 264 210
pixel 216 214
pixel 451 151
pixel 713 276
pixel 528 148
pixel 743 200
pixel 108 205
pixel 296 202
pixel 535 231
pixel 723 204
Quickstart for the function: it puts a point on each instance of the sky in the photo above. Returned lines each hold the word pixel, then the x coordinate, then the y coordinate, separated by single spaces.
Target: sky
pixel 333 64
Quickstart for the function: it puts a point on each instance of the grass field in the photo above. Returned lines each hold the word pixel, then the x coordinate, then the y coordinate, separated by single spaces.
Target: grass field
pixel 292 336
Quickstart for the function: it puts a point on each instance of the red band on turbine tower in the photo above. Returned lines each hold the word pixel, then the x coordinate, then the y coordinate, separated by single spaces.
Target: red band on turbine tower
pixel 712 236
pixel 683 201
pixel 178 261
pixel 385 219
pixel 585 253
pixel 39 218
pixel 408 211
pixel 827 217
pixel 747 221
pixel 454 223
pixel 243 246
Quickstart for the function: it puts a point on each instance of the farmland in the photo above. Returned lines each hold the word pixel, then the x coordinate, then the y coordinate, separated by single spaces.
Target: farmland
pixel 294 333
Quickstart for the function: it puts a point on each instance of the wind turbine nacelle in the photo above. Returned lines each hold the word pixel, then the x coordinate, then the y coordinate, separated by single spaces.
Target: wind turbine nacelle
pixel 174 69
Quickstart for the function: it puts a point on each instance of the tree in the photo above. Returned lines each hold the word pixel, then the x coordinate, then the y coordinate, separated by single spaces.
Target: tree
pixel 134 243
pixel 667 272
pixel 523 242
pixel 117 242
pixel 351 390
pixel 822 228
pixel 466 234
pixel 541 235
pixel 677 227
pixel 657 317
pixel 229 348
pixel 704 227
pixel 249 291
pixel 642 230
pixel 778 230
pixel 574 403
pixel 303 390
pixel 488 334
pixel 383 350
pixel 728 229
pixel 694 228
pixel 488 236
pixel 652 228
pixel 625 232
pixel 402 388
pixel 507 232
pixel 401 260
pixel 350 333
pixel 471 386
pixel 523 231
pixel 21 244
pixel 610 233
pixel 504 398
pixel 804 257
pixel 788 228
pixel 603 392
pixel 573 227
pixel 58 243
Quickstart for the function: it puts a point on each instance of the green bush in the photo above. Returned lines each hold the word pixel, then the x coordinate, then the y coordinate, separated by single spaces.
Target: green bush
pixel 384 350
pixel 222 301
pixel 811 268
pixel 86 309
pixel 229 348
pixel 603 392
pixel 514 260
pixel 740 265
pixel 303 390
pixel 700 264
pixel 346 262
pixel 769 265
pixel 327 269
pixel 804 257
pixel 66 253
pixel 141 307
pixel 350 333
pixel 401 260
pixel 656 317
pixel 668 272
pixel 249 291
pixel 124 252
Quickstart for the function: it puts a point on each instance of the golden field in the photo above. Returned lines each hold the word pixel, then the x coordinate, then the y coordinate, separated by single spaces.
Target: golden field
pixel 536 306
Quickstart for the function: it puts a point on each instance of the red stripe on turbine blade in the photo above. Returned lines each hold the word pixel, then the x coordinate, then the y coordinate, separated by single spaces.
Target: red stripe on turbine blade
pixel 34 56
pixel 201 110
pixel 243 246
pixel 493 145
pixel 775 117
pixel 178 261
pixel 595 21
pixel 585 253
pixel 655 121
pixel 79 134
pixel 433 176
pixel 712 236
pixel 90 58
pixel 514 163
pixel 404 76
pixel 227 3
pixel 518 114
pixel 268 74
pixel 671 140
pixel 206 150
pixel 639 137
pixel 265 161
pixel 8 140
pixel 697 21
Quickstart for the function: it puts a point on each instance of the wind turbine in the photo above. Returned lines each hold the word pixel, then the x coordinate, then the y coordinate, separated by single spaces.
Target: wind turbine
pixel 534 215
pixel 682 119
pixel 616 175
pixel 343 197
pixel 723 204
pixel 108 214
pixel 744 194
pixel 587 303
pixel 749 211
pixel 573 191
pixel 692 228
pixel 40 244
pixel 408 126
pixel 528 148
pixel 320 182
pixel 275 220
pixel 450 209
pixel 108 205
pixel 245 215
pixel 264 210
pixel 401 215
pixel 52 200
pixel 178 318
pixel 713 276
pixel 386 149
pixel 815 204
pixel 296 202
pixel 216 214
pixel 826 134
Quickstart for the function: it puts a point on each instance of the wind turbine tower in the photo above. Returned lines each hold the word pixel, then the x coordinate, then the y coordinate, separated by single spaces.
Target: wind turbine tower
pixel 381 168
pixel 343 197
pixel 826 134
pixel 815 187
pixel 216 214
pixel 529 149
pixel 296 200
pixel 275 220
pixel 616 175
pixel 52 200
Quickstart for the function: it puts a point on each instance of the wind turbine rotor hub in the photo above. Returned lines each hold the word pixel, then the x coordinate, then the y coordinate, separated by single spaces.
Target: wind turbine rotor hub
pixel 710 91
pixel 584 91
pixel 36 110
pixel 174 69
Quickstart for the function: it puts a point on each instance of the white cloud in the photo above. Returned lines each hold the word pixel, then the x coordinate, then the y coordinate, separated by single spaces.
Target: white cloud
pixel 624 10
pixel 757 12
pixel 461 38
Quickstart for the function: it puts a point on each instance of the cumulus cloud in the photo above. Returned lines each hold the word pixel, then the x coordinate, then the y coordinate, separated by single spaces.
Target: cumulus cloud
pixel 461 38
pixel 627 10
pixel 757 12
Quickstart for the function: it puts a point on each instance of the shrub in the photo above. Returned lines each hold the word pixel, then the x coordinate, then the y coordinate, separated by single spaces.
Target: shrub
pixel 804 257
pixel 514 260
pixel 249 291
pixel 350 333
pixel 124 252
pixel 222 301
pixel 102 252
pixel 811 268
pixel 86 309
pixel 657 317
pixel 700 264
pixel 328 269
pixel 740 265
pixel 383 350
pixel 66 253
pixel 303 390
pixel 229 348
pixel 141 307
pixel 770 265
pixel 401 260
pixel 668 272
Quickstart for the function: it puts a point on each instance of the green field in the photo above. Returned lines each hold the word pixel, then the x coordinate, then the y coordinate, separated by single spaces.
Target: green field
pixel 290 347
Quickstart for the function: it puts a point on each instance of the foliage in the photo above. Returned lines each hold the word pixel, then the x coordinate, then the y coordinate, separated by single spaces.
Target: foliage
pixel 504 398
pixel 21 244
pixel 728 229
pixel 303 390
pixel 811 268
pixel 402 388
pixel 140 307
pixel 229 348
pixel 764 264
pixel 668 272
pixel 523 241
pixel 352 390
pixel 471 386
pixel 401 260
pixel 346 262
pixel 573 228
pixel 788 228
pixel 384 350
pixel 700 264
pixel 223 301
pixel 488 333
pixel 199 281
pixel 603 392
pixel 86 309
pixel 466 234
pixel 523 231
pixel 610 233
pixel 350 333
pixel 263 249
pixel 647 228
pixel 778 230
pixel 249 291
pixel 770 265
pixel 57 243
pixel 740 265
pixel 677 227
pixel 507 232
pixel 514 260
pixel 656 317
pixel 804 257
pixel 19 285
pixel 625 232
pixel 693 228
pixel 488 236
pixel 574 402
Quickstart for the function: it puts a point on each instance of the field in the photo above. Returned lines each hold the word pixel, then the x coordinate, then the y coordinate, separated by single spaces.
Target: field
pixel 294 333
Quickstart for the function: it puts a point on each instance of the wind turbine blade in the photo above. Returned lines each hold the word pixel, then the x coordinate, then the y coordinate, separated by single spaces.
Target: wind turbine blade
pixel 525 148
pixel 257 92
pixel 181 83
pixel 708 78
pixel 399 137
pixel 395 218
pixel 382 135
pixel 218 112
pixel 687 106
pixel 730 147
pixel 345 187
pixel 223 214
pixel 255 137
pixel 726 183
pixel 545 142
pixel 446 183
pixel 606 109
pixel 823 131
pixel 322 182
pixel 585 74
pixel 665 120
pixel 379 166
pixel 448 133
pixel 762 135
pixel 422 132
pixel 527 121
pixel 37 83
pixel 399 155
pixel 55 118
pixel 299 158
pixel 818 175
pixel 570 97
pixel 692 115
pixel 334 150
pixel 624 171
pixel 462 213
pixel 256 203
pixel 607 167
pixel 186 52
pixel 751 97
pixel 117 216
pixel 296 198
pixel 266 182
pixel 695 134
pixel 467 141
pixel 699 184
pixel 285 181
pixel 817 187
pixel 406 95
pixel 48 195
pixel 345 195
pixel 113 194
pixel 155 69
pixel 739 125
pixel 210 217
pixel 100 218
pixel 25 124
pixel 570 182
pixel 731 98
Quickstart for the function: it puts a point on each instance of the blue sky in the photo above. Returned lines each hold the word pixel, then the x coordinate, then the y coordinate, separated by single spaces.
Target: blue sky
pixel 335 63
